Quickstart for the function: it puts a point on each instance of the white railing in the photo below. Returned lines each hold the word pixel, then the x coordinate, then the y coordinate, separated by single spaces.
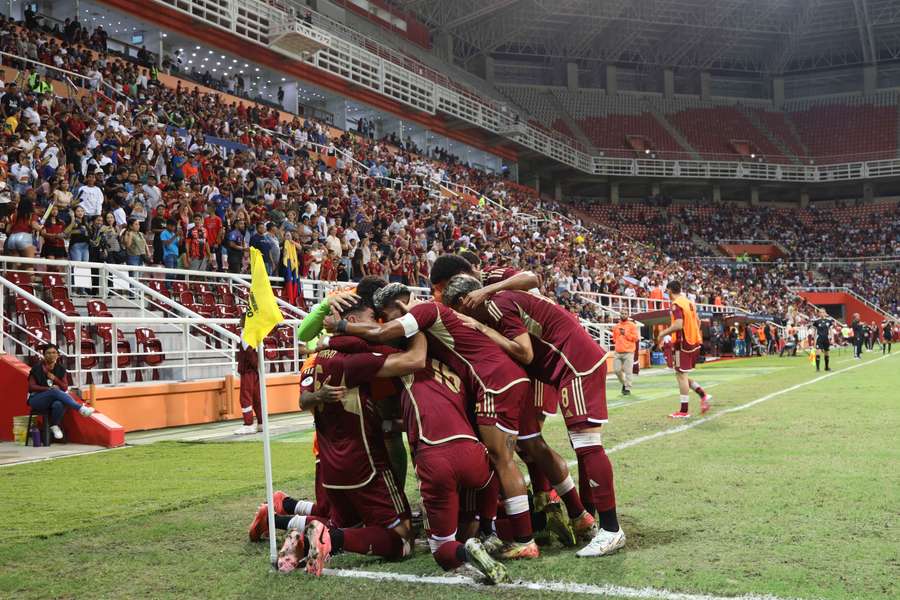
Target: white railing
pixel 616 304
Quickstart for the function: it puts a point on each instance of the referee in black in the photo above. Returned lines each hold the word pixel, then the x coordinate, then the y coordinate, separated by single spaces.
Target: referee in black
pixel 859 336
pixel 887 334
pixel 823 326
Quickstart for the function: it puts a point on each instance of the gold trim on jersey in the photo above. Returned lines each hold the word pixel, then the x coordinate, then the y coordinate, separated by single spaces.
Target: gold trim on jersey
pixel 408 384
pixel 354 395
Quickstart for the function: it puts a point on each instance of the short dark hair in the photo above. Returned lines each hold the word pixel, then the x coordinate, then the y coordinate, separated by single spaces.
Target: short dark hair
pixel 471 258
pixel 367 287
pixel 48 346
pixel 387 294
pixel 674 286
pixel 457 288
pixel 356 307
pixel 447 266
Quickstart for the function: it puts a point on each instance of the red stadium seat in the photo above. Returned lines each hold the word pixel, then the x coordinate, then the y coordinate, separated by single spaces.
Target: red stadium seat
pixel 151 351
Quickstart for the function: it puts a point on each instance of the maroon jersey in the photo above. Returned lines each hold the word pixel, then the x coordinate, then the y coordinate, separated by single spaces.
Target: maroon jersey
pixel 493 275
pixel 481 362
pixel 433 399
pixel 562 348
pixel 351 445
pixel 434 406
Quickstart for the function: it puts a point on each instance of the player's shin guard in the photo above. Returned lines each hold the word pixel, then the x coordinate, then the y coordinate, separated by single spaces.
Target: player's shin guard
pixel 697 389
pixel 599 475
pixel 818 360
pixel 379 541
pixel 826 363
pixel 569 494
pixel 519 517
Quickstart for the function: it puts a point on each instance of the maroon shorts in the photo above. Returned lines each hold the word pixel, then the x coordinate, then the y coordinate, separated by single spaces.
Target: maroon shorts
pixel 381 502
pixel 504 409
pixel 685 357
pixel 545 399
pixel 582 400
pixel 447 474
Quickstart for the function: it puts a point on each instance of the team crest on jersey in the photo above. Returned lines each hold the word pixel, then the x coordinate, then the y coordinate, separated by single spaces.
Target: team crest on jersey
pixel 307 382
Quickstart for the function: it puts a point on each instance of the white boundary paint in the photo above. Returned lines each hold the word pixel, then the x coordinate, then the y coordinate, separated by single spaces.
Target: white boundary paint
pixel 608 590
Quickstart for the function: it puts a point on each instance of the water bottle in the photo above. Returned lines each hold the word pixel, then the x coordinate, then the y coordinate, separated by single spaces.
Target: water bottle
pixel 35 437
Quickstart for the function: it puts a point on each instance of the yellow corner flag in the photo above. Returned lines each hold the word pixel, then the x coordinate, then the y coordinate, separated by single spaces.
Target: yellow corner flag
pixel 263 313
pixel 812 356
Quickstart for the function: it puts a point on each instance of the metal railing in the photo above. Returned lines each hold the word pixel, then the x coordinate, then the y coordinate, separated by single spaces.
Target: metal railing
pixel 844 290
pixel 616 304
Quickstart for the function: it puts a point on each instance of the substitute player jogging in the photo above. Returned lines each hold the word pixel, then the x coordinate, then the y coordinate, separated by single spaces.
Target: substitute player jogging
pixel 556 350
pixel 687 340
pixel 823 326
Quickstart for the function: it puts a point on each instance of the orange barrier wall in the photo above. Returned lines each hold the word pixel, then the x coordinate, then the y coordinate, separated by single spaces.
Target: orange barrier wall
pixel 171 404
pixel 851 305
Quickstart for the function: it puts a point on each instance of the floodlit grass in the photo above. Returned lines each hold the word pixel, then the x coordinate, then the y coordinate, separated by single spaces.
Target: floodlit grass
pixel 796 497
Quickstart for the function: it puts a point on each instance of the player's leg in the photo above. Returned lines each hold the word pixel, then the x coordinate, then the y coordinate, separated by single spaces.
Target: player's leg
pixel 825 348
pixel 531 422
pixel 500 445
pixel 442 471
pixel 628 375
pixel 551 463
pixel 598 470
pixel 249 390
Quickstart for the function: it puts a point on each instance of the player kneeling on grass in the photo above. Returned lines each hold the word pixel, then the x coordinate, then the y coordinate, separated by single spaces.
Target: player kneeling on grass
pixel 686 340
pixel 369 511
pixel 550 342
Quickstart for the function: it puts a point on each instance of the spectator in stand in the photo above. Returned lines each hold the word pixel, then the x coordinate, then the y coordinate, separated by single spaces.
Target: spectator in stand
pixel 21 230
pixel 236 246
pixel 196 245
pixel 53 243
pixel 136 251
pixel 48 389
pixel 171 239
pixel 260 241
pixel 109 240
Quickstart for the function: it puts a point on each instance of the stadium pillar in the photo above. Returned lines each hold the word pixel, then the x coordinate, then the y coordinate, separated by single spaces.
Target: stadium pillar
pixel 717 194
pixel 778 92
pixel 870 79
pixel 443 45
pixel 612 82
pixel 669 82
pixel 754 196
pixel 804 198
pixel 705 85
pixel 654 188
pixel 290 97
pixel 489 69
pixel 572 76
pixel 614 192
pixel 557 191
pixel 868 191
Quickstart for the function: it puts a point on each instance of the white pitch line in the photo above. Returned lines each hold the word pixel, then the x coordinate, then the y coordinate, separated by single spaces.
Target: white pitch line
pixel 733 409
pixel 616 591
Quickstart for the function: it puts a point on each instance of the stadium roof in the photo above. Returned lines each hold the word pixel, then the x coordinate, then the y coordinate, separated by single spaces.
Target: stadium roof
pixel 755 36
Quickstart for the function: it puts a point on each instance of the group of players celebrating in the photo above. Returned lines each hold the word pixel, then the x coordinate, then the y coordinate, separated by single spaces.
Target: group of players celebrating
pixel 476 370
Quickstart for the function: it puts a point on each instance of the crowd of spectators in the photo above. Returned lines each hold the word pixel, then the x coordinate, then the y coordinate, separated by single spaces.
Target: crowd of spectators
pixel 149 174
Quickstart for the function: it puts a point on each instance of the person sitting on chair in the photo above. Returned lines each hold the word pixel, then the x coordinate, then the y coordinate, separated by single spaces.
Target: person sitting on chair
pixel 48 385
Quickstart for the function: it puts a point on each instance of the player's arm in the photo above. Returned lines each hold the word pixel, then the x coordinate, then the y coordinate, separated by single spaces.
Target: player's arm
pixel 324 395
pixel 677 325
pixel 524 281
pixel 410 361
pixel 371 332
pixel 519 348
pixel 311 325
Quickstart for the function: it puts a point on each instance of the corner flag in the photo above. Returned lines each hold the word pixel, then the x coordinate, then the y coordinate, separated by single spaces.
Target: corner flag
pixel 263 313
pixel 261 317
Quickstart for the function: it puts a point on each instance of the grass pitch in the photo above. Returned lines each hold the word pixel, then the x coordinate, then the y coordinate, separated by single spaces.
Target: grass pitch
pixel 797 496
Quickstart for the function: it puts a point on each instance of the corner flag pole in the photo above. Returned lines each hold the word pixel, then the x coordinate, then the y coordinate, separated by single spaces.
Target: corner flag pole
pixel 267 452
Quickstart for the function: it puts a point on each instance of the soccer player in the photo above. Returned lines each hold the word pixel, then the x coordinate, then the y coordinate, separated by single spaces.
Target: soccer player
pixel 452 466
pixel 686 339
pixel 501 390
pixel 494 279
pixel 823 326
pixel 556 350
pixel 354 463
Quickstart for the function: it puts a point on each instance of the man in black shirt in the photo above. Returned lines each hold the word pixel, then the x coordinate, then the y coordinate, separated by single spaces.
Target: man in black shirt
pixel 822 325
pixel 11 101
pixel 859 336
pixel 48 385
pixel 887 336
